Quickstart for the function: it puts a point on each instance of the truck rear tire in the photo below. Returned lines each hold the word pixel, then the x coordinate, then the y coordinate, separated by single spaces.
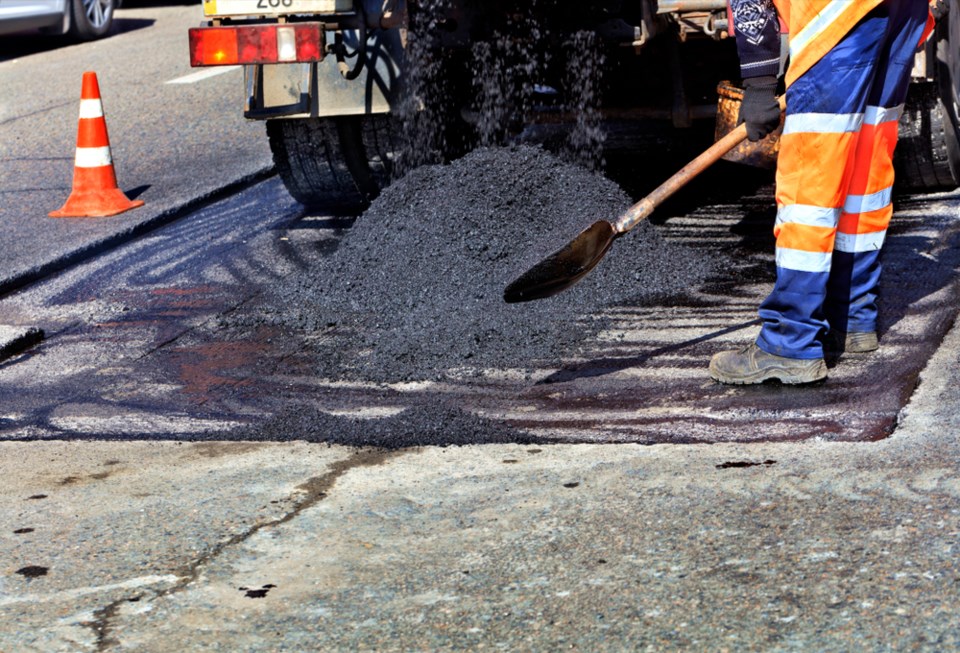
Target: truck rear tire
pixel 340 162
pixel 928 153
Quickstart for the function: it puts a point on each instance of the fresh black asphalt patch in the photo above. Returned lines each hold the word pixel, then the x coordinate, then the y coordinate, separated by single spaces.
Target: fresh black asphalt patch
pixel 181 336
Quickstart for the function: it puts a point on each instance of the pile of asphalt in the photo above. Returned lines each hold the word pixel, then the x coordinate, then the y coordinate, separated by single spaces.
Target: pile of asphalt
pixel 414 291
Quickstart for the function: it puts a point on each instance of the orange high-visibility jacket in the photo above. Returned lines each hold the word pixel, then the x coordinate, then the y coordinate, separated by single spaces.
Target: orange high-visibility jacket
pixel 816 26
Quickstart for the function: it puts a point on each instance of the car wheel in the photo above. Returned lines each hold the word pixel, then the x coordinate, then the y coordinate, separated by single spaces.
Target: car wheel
pixel 91 19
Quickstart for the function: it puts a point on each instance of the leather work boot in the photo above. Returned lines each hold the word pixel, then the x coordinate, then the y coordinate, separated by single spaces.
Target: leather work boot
pixel 860 342
pixel 753 365
pixel 854 342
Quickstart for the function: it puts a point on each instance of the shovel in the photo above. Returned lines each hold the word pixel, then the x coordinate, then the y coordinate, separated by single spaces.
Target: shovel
pixel 566 266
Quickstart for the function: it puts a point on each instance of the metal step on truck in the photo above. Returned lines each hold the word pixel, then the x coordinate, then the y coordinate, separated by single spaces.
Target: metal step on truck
pixel 355 92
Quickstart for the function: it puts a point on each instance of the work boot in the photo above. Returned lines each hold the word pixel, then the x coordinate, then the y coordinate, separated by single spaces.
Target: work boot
pixel 753 365
pixel 854 342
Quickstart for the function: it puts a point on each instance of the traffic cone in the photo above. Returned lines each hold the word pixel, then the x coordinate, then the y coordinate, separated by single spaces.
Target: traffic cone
pixel 95 192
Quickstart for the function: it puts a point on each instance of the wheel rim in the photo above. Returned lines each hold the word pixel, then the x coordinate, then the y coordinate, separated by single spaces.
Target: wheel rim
pixel 97 12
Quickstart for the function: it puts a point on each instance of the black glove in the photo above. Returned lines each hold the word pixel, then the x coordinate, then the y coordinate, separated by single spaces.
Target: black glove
pixel 759 109
pixel 939 9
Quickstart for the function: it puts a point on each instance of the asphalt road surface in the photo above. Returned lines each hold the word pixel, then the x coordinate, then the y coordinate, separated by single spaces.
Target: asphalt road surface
pixel 201 324
pixel 176 138
pixel 180 334
pixel 176 474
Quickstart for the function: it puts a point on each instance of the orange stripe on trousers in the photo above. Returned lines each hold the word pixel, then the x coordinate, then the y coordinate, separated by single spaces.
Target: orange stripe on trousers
pixel 820 182
pixel 805 237
pixel 865 223
pixel 873 161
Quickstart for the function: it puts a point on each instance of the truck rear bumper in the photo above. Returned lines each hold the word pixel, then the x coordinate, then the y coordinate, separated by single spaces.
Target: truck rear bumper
pixel 288 72
pixel 321 88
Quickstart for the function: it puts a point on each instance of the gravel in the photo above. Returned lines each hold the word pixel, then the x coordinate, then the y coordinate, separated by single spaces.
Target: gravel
pixel 414 291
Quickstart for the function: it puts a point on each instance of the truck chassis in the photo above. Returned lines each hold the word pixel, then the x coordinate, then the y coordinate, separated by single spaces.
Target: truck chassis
pixel 356 93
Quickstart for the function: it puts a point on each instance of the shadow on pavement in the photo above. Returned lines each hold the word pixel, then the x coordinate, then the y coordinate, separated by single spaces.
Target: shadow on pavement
pixel 24 44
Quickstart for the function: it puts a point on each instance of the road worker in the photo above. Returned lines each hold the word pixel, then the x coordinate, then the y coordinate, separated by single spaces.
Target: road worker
pixel 846 83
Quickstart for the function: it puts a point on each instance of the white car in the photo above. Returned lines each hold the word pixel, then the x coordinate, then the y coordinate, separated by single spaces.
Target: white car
pixel 81 19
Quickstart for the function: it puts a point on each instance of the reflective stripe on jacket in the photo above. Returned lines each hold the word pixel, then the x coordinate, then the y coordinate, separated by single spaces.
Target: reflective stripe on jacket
pixel 816 26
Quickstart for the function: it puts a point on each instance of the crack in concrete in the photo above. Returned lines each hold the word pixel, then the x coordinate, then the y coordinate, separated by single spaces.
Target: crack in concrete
pixel 314 490
pixel 101 624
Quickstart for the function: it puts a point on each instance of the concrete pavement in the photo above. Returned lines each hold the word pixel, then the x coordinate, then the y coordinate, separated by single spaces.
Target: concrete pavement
pixel 241 547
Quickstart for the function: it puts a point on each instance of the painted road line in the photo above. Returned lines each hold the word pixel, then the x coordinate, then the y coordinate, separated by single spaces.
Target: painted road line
pixel 201 75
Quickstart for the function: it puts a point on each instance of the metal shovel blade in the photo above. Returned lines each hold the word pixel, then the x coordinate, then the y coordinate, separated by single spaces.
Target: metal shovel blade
pixel 565 267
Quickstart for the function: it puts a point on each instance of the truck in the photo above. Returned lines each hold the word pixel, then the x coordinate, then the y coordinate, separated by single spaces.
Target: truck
pixel 356 92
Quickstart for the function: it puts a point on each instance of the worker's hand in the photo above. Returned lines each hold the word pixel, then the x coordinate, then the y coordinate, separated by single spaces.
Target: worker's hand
pixel 759 109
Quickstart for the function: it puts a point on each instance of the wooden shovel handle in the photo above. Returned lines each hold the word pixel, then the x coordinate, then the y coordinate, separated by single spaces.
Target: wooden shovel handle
pixel 642 209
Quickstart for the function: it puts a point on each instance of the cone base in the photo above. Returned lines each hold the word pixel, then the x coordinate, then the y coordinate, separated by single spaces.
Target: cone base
pixel 99 204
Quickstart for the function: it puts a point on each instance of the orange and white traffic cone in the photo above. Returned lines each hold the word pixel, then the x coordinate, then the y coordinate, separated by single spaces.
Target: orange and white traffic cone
pixel 95 192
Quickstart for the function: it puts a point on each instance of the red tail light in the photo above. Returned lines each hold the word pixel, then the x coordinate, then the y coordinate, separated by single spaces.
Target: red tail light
pixel 248 44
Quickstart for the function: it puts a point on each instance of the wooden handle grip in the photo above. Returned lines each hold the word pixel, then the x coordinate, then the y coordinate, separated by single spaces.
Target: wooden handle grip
pixel 642 209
